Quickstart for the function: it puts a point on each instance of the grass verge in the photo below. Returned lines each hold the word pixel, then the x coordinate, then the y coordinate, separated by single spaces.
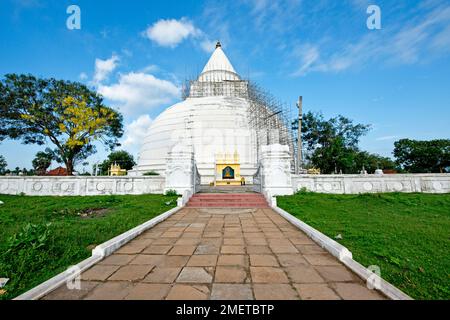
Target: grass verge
pixel 42 236
pixel 406 235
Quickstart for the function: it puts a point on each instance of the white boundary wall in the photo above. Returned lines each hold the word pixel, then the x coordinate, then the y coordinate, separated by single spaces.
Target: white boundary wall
pixel 354 184
pixel 276 179
pixel 181 175
pixel 81 186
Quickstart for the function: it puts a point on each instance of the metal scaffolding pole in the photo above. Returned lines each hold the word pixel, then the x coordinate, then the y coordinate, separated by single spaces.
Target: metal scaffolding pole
pixel 299 138
pixel 268 118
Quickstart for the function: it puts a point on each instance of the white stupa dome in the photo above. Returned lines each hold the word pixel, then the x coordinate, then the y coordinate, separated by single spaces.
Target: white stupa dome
pixel 212 120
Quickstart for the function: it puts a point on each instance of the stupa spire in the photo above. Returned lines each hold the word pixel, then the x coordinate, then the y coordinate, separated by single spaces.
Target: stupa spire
pixel 218 68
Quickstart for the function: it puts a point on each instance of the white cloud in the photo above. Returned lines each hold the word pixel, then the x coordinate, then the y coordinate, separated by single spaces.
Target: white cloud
pixel 308 55
pixel 171 32
pixel 442 40
pixel 208 45
pixel 136 93
pixel 103 68
pixel 360 4
pixel 387 138
pixel 28 3
pixel 418 40
pixel 275 17
pixel 135 132
pixel 152 68
pixel 83 76
pixel 127 53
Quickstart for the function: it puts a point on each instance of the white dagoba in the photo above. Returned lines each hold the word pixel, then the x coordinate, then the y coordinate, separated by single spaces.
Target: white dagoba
pixel 213 121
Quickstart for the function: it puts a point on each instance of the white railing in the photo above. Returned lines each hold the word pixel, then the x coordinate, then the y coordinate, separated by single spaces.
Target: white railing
pixel 197 179
pixel 258 179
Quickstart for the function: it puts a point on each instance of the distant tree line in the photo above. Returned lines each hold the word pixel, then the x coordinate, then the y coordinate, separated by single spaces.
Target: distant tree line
pixel 423 156
pixel 17 171
pixel 3 165
pixel 332 145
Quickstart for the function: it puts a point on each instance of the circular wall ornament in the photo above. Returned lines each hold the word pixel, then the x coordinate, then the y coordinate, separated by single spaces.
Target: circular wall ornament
pixel 100 186
pixel 37 186
pixel 368 186
pixel 327 186
pixel 398 186
pixel 3 186
pixel 64 186
pixel 128 186
pixel 437 186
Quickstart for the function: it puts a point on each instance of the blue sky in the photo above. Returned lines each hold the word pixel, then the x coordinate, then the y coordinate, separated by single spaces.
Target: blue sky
pixel 137 54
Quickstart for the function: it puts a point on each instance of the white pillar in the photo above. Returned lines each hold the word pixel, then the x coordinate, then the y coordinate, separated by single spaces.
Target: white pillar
pixel 276 170
pixel 180 170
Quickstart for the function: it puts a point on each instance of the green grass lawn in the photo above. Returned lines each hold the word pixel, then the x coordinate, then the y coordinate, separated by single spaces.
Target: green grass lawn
pixel 406 235
pixel 42 236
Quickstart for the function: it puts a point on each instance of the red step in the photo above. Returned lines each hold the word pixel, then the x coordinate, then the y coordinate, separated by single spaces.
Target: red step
pixel 218 200
pixel 207 196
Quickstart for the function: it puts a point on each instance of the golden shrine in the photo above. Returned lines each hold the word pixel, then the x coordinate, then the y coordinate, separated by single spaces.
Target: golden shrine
pixel 228 170
pixel 314 171
pixel 115 170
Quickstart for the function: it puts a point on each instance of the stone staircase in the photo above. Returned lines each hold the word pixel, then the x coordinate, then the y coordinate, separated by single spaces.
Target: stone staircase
pixel 229 189
pixel 227 200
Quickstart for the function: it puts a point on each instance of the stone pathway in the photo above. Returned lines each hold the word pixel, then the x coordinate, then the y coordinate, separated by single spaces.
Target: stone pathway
pixel 240 254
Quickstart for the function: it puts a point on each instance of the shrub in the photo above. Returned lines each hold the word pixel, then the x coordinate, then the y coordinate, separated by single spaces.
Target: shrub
pixel 172 193
pixel 31 236
pixel 151 173
pixel 26 253
pixel 302 190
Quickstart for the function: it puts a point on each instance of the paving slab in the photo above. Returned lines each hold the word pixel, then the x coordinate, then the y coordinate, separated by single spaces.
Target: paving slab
pixel 230 275
pixel 117 259
pixel 231 292
pixel 188 292
pixel 195 275
pixel 316 291
pixel 213 253
pixel 148 291
pixel 274 292
pixel 162 275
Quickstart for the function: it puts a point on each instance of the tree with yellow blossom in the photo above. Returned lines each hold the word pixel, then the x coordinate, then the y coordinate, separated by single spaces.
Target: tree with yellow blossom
pixel 67 114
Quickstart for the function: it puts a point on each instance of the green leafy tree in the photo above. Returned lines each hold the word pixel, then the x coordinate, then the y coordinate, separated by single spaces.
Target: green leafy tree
pixel 3 165
pixel 372 162
pixel 30 172
pixel 332 145
pixel 423 156
pixel 42 162
pixel 122 158
pixel 68 114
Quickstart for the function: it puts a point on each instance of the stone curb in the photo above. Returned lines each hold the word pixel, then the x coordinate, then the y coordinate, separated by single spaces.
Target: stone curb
pixel 388 289
pixel 99 253
pixel 345 256
pixel 107 248
pixel 336 249
pixel 58 280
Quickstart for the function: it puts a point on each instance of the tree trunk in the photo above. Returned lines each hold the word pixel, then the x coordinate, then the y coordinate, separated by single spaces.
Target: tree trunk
pixel 69 167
